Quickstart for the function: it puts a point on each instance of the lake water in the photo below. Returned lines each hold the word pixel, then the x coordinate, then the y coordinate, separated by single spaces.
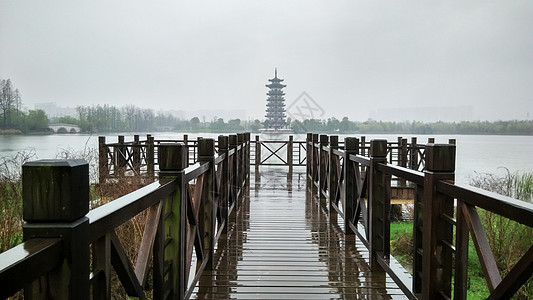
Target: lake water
pixel 475 153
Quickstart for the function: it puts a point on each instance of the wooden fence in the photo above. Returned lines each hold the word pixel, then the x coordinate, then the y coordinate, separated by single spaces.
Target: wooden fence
pixel 358 188
pixel 139 157
pixel 70 249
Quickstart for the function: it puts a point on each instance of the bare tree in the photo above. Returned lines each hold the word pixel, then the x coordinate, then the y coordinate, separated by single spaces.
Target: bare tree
pixel 8 98
pixel 17 106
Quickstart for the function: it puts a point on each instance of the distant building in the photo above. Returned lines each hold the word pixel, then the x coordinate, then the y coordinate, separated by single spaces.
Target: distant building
pixel 424 114
pixel 275 111
pixel 53 110
pixel 208 115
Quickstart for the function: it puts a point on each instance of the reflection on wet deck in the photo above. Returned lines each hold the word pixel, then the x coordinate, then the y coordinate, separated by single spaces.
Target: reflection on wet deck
pixel 283 245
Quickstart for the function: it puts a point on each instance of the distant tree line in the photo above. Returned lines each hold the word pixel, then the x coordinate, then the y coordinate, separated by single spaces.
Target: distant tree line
pixel 333 125
pixel 108 118
pixel 11 114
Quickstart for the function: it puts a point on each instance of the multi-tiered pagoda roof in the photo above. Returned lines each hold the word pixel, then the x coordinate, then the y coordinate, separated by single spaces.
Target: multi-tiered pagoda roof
pixel 275 111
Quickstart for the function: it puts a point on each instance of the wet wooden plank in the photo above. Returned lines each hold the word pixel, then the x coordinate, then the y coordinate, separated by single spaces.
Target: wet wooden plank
pixel 283 245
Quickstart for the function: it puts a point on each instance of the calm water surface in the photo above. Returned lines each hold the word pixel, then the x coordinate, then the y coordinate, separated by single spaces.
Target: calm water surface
pixel 475 153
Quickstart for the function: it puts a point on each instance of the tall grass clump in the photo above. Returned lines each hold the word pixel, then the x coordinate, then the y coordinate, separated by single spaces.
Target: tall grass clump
pixel 11 198
pixel 89 154
pixel 11 204
pixel 508 239
pixel 130 232
pixel 523 184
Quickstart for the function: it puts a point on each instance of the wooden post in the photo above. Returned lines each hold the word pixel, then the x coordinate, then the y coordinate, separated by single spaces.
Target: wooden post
pixel 235 171
pixel 363 146
pixel 56 200
pixel 103 166
pixel 290 153
pixel 172 160
pixel 150 156
pixel 223 194
pixel 323 167
pixel 403 151
pixel 351 146
pixel 120 156
pixel 207 212
pixel 417 239
pixel 461 254
pixel 413 154
pixel 186 143
pixel 257 152
pixel 403 155
pixel 399 149
pixel 378 205
pixel 101 263
pixel 309 158
pixel 437 232
pixel 333 173
pixel 136 155
pixel 240 142
pixel 247 157
pixel 315 160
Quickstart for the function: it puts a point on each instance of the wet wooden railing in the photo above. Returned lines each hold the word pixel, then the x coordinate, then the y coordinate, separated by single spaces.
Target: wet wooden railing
pixel 139 157
pixel 358 188
pixel 69 251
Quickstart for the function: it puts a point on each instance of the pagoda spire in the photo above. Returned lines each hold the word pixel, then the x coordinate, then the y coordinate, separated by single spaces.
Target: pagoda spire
pixel 275 111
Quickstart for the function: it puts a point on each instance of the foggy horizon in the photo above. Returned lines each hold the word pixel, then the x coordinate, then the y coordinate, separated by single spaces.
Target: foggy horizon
pixel 360 60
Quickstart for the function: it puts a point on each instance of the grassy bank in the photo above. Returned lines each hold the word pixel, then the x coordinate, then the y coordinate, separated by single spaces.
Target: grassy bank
pixel 508 240
pixel 402 247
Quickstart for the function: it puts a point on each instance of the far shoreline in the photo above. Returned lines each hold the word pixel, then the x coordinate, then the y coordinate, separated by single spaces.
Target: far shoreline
pixel 10 132
pixel 17 132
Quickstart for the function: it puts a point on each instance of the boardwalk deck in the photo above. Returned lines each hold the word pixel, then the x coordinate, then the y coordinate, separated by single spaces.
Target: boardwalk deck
pixel 282 242
pixel 283 245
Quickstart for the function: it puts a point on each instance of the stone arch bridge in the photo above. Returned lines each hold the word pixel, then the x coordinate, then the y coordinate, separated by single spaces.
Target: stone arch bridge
pixel 64 128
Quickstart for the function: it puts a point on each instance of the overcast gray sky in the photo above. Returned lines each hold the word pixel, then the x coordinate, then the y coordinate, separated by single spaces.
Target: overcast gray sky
pixel 351 57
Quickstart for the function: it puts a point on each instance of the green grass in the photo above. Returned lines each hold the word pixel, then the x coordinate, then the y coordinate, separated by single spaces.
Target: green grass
pixel 400 228
pixel 402 231
pixel 477 287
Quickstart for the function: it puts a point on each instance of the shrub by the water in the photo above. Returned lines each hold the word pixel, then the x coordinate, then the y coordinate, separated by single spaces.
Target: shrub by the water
pixel 508 239
pixel 11 198
pixel 129 233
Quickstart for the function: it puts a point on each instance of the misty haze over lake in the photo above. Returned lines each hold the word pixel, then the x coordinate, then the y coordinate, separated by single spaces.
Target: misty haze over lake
pixel 355 58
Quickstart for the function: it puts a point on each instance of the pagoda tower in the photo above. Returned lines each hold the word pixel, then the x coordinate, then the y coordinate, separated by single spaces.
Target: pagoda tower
pixel 275 111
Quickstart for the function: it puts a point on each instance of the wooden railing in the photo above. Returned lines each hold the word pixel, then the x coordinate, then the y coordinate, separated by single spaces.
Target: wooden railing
pixel 139 157
pixel 358 189
pixel 279 153
pixel 68 250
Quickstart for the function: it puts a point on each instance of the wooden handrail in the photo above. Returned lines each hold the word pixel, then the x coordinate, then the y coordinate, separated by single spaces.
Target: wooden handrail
pixel 416 177
pixel 105 218
pixel 513 209
pixel 170 204
pixel 434 194
pixel 355 186
pixel 40 255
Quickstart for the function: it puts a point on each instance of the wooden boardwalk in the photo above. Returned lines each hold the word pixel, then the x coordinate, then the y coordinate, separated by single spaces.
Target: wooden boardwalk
pixel 284 245
pixel 281 243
